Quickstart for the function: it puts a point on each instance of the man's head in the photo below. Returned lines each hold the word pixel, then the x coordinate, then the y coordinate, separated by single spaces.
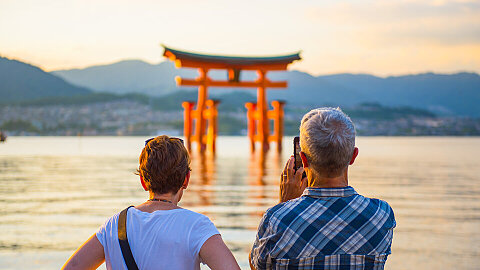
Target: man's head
pixel 327 138
pixel 164 164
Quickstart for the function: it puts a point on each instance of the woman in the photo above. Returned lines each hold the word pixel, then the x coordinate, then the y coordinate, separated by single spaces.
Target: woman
pixel 161 235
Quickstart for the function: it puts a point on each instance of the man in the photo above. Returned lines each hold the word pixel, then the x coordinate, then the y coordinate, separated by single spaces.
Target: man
pixel 322 222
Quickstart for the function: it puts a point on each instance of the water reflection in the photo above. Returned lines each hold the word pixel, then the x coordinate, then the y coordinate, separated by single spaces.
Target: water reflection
pixel 234 194
pixel 55 192
pixel 204 172
pixel 263 167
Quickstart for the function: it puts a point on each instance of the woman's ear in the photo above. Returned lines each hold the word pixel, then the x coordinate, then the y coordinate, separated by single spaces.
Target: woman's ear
pixel 304 159
pixel 187 180
pixel 143 183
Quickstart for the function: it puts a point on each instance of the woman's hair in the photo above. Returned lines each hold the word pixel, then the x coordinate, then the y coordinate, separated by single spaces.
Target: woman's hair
pixel 164 164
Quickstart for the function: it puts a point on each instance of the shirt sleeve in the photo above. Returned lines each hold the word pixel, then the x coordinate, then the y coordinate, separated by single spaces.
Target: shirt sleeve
pixel 392 217
pixel 107 229
pixel 201 231
pixel 101 232
pixel 259 256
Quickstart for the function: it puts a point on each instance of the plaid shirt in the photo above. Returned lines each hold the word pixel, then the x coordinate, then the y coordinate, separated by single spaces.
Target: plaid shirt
pixel 326 228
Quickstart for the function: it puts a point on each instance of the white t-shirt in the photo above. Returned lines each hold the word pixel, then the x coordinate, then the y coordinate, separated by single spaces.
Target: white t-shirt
pixel 163 239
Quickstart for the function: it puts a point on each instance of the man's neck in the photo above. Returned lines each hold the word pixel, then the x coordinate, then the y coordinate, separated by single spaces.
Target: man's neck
pixel 316 181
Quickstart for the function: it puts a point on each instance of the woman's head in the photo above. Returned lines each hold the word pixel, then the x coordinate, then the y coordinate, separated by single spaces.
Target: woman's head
pixel 164 164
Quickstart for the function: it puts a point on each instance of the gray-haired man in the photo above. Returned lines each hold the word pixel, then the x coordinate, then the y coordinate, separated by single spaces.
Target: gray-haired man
pixel 321 222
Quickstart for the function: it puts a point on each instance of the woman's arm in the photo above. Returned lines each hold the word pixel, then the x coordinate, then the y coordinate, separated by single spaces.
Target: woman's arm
pixel 216 254
pixel 88 256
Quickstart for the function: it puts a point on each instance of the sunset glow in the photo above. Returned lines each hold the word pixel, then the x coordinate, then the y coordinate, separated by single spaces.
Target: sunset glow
pixel 378 37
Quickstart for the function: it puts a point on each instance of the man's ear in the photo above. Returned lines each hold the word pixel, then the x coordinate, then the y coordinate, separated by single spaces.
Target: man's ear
pixel 354 156
pixel 304 159
pixel 187 180
pixel 143 183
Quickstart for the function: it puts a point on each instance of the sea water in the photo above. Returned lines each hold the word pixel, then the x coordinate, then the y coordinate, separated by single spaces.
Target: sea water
pixel 56 191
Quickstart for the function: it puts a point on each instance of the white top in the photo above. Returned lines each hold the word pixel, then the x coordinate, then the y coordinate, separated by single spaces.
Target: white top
pixel 163 239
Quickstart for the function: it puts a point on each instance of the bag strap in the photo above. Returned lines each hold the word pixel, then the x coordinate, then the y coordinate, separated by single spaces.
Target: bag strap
pixel 123 240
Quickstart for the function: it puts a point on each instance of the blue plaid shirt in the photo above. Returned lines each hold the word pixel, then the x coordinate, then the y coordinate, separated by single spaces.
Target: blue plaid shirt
pixel 326 228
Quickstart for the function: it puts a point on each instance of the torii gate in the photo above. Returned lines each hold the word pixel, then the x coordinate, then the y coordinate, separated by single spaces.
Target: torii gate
pixel 206 111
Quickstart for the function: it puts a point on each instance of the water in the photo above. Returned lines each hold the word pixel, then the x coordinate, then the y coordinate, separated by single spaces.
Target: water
pixel 56 191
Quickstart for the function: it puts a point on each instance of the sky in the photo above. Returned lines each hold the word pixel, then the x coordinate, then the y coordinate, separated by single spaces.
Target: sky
pixel 389 37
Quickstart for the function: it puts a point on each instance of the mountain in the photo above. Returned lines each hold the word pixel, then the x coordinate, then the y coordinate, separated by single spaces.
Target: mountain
pixel 20 81
pixel 130 76
pixel 456 94
pixel 444 94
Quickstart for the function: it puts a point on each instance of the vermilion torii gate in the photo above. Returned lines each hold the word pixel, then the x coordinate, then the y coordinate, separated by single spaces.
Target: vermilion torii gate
pixel 205 113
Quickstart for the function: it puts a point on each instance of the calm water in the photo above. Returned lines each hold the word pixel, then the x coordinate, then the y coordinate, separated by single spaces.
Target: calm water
pixel 56 191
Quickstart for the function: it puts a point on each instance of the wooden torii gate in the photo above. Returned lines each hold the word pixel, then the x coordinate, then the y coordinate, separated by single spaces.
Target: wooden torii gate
pixel 205 113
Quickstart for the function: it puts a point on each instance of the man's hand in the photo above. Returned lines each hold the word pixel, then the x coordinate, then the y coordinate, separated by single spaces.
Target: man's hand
pixel 291 182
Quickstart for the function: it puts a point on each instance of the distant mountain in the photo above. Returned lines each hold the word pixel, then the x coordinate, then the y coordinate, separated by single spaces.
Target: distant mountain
pixel 130 76
pixel 452 94
pixel 20 81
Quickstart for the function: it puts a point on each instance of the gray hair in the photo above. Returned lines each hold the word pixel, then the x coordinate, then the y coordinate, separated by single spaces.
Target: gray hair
pixel 327 137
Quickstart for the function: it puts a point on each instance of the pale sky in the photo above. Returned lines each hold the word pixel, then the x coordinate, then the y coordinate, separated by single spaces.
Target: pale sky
pixel 389 37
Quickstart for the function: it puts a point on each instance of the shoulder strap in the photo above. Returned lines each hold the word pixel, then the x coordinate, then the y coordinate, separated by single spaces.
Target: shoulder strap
pixel 123 240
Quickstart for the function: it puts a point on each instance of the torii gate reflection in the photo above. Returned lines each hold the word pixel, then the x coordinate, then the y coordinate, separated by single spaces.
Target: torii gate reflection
pixel 205 113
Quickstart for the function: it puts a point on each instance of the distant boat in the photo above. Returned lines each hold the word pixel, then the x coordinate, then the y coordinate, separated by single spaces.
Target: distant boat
pixel 3 136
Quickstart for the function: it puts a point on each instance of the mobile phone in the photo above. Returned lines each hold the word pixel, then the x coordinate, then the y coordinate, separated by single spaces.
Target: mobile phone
pixel 296 155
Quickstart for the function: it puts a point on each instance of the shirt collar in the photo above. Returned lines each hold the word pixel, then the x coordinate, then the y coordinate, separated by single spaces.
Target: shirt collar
pixel 329 192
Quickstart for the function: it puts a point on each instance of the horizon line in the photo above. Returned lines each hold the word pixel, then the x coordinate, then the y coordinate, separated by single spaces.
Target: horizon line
pixel 299 70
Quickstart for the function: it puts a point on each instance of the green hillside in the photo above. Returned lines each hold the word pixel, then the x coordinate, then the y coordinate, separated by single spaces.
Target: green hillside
pixel 20 81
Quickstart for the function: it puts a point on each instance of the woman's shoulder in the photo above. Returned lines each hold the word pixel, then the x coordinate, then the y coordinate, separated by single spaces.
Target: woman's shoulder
pixel 107 229
pixel 187 215
pixel 112 220
pixel 194 220
pixel 192 215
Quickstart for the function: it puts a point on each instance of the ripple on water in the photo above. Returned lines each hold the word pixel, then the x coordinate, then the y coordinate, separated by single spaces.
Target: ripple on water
pixel 55 192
